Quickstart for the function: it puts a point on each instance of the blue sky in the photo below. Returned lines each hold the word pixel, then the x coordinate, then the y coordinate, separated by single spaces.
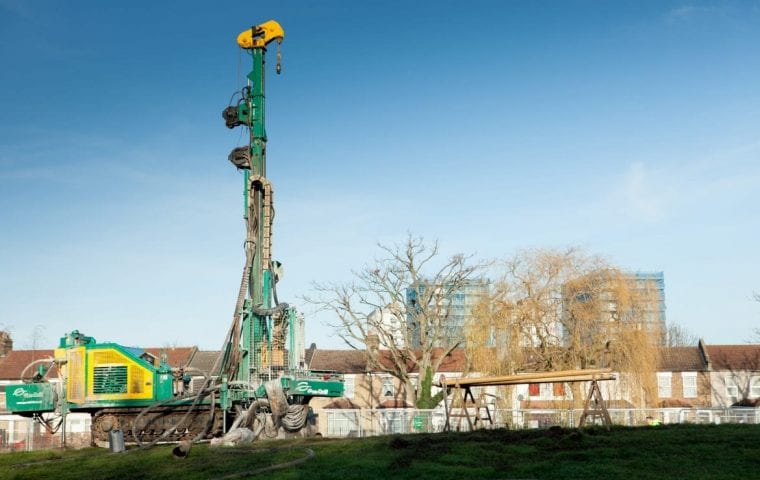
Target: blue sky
pixel 630 129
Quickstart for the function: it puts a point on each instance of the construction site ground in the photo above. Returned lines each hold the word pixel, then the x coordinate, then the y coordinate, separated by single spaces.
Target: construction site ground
pixel 671 451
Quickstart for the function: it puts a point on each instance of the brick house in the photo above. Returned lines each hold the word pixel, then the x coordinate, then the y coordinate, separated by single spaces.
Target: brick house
pixel 718 376
pixel 374 400
pixel 374 388
pixel 734 374
pixel 683 377
pixel 701 376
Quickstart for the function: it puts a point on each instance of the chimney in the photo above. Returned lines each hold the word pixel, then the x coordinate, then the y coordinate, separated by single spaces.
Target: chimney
pixel 309 355
pixel 6 344
pixel 373 342
pixel 703 351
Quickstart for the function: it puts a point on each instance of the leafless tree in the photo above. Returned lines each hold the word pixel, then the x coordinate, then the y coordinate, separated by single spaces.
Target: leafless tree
pixel 401 301
pixel 679 336
pixel 555 310
pixel 36 339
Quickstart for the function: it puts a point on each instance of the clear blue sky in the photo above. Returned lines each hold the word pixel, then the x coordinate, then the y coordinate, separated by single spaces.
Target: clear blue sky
pixel 631 129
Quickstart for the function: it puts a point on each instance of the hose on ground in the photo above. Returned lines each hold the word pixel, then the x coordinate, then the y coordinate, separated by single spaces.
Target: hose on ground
pixel 210 422
pixel 295 419
pixel 205 391
pixel 249 473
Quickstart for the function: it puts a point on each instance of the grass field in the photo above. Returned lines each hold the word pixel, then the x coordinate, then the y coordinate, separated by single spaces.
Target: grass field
pixel 677 451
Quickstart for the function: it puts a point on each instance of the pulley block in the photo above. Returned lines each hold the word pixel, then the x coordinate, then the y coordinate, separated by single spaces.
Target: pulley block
pixel 231 117
pixel 241 157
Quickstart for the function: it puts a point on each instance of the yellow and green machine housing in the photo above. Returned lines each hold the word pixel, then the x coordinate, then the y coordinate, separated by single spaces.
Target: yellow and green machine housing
pixel 107 375
pixel 97 375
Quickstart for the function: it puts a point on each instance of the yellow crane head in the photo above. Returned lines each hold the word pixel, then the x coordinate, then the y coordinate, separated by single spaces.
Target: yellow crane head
pixel 260 35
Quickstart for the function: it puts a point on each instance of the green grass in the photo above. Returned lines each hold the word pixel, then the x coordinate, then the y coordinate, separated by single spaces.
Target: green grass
pixel 677 451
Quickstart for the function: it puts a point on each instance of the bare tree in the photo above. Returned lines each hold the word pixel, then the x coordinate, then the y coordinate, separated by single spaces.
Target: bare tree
pixel 403 300
pixel 555 310
pixel 679 336
pixel 36 339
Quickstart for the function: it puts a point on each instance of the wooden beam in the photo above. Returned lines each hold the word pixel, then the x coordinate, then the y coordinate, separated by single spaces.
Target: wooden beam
pixel 540 377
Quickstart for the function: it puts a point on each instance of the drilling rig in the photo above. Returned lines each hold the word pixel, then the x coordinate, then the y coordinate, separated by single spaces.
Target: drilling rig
pixel 257 380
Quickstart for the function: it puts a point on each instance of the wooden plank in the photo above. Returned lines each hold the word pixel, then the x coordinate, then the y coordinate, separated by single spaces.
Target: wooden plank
pixel 538 377
pixel 491 381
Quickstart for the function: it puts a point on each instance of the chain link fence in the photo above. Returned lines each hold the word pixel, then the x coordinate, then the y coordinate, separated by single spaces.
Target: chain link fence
pixel 19 434
pixel 24 434
pixel 366 423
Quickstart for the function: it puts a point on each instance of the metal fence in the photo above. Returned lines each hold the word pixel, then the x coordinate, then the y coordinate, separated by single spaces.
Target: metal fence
pixel 366 423
pixel 24 434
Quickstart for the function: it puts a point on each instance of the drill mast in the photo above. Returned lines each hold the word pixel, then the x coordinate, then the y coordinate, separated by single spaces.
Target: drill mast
pixel 258 380
pixel 261 324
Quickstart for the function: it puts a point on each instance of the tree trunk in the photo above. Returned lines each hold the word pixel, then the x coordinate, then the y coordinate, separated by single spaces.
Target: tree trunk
pixel 425 397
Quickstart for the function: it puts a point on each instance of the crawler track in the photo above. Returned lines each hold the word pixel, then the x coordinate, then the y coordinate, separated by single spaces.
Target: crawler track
pixel 155 423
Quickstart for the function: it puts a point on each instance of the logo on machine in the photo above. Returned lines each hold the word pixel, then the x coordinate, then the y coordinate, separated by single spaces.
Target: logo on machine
pixel 304 387
pixel 21 392
pixel 23 397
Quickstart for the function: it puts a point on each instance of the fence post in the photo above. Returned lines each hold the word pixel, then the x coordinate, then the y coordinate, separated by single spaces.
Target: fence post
pixel 29 435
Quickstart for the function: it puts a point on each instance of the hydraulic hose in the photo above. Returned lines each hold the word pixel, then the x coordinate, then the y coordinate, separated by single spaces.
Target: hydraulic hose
pixel 42 360
pixel 269 312
pixel 196 400
pixel 295 419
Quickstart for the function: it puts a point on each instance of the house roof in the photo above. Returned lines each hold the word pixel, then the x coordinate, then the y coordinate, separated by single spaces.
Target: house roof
pixel 675 403
pixel 13 365
pixel 204 360
pixel 176 357
pixel 673 359
pixel 734 357
pixel 344 361
pixel 16 361
pixel 681 359
pixel 355 361
pixel 395 404
pixel 747 402
pixel 342 403
pixel 456 361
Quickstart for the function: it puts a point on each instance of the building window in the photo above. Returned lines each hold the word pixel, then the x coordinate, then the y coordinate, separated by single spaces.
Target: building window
pixel 559 389
pixel 349 382
pixel 689 384
pixel 663 385
pixel 732 388
pixel 754 390
pixel 534 389
pixel 388 389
